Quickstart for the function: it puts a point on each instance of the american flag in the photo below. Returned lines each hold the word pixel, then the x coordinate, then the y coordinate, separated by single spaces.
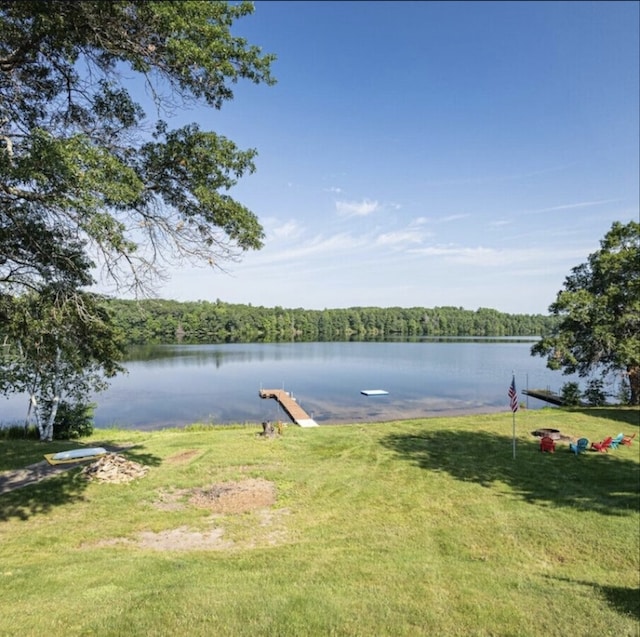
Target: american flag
pixel 513 395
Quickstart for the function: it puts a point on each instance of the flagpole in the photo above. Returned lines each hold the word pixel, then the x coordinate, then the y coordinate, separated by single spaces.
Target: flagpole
pixel 514 435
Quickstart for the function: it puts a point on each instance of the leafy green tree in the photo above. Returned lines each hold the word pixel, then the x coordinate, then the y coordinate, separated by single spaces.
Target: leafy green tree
pixel 571 394
pixel 599 312
pixel 88 179
pixel 594 394
pixel 84 174
pixel 64 346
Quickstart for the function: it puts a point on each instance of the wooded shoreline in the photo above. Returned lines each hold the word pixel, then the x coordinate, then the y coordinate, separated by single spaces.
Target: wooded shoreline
pixel 166 321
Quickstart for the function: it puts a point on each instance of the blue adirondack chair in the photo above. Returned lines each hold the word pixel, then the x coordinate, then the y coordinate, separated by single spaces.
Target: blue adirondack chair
pixel 578 447
pixel 616 441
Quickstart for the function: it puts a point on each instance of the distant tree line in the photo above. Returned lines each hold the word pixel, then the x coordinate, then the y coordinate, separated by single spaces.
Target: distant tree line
pixel 165 321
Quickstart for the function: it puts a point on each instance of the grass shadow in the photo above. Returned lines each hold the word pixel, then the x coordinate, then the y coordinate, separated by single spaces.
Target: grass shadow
pixel 608 483
pixel 15 454
pixel 625 601
pixel 625 416
pixel 46 486
pixel 135 454
pixel 43 496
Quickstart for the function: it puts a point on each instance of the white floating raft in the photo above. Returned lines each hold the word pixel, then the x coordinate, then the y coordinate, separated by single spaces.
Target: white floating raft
pixel 374 392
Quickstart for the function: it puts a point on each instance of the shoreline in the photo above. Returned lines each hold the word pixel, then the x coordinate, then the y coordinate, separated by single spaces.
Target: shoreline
pixel 378 419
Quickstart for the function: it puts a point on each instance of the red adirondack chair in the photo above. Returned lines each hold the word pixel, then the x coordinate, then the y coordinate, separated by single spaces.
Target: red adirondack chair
pixel 547 444
pixel 603 446
pixel 627 440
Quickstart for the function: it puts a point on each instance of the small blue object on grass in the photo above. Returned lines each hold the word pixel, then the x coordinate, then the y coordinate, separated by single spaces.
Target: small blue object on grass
pixel 615 443
pixel 578 447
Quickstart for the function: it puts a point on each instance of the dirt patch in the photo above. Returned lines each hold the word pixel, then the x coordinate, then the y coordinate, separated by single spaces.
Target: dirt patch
pixel 172 500
pixel 251 495
pixel 180 539
pixel 183 539
pixel 235 497
pixel 182 456
pixel 223 497
pixel 270 531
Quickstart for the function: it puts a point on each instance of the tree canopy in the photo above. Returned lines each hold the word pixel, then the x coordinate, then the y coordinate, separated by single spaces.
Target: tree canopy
pixel 90 181
pixel 62 349
pixel 599 312
pixel 85 176
pixel 164 321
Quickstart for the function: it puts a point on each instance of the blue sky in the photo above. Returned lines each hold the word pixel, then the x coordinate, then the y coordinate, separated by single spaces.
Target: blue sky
pixel 429 153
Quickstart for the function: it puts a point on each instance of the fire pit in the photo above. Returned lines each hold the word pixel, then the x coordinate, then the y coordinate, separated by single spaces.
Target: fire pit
pixel 554 434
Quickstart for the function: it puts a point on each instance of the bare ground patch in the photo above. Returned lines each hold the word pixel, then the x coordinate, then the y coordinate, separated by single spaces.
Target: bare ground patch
pixel 226 498
pixel 183 456
pixel 236 497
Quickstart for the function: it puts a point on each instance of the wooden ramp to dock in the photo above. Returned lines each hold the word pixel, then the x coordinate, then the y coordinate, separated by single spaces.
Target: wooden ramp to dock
pixel 544 394
pixel 289 404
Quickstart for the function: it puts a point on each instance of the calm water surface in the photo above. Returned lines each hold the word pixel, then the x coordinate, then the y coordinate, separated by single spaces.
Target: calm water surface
pixel 175 385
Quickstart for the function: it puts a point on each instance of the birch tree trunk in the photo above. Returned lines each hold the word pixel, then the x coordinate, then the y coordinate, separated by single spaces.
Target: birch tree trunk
pixel 33 404
pixel 48 433
pixel 26 420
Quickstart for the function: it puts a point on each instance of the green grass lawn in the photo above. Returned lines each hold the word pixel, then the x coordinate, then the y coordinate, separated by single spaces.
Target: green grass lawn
pixel 422 527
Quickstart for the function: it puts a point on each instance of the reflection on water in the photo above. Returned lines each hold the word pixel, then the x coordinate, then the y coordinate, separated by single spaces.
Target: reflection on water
pixel 175 385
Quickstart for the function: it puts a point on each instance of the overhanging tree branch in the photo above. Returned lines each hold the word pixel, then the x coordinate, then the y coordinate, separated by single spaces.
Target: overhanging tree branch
pixel 86 183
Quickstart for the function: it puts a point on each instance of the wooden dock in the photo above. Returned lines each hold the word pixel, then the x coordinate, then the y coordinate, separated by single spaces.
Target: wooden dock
pixel 291 407
pixel 546 395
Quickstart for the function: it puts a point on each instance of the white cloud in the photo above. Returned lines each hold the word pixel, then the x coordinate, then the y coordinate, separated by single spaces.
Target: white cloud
pixel 357 208
pixel 401 238
pixel 287 230
pixel 298 251
pixel 477 256
pixel 489 257
pixel 451 218
pixel 571 206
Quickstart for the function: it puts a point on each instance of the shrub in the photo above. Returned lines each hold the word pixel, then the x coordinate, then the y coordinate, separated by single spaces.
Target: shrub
pixel 17 432
pixel 73 421
pixel 624 392
pixel 571 394
pixel 594 394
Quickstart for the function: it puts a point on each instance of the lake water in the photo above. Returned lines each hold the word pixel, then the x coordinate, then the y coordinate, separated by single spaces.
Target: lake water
pixel 176 385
